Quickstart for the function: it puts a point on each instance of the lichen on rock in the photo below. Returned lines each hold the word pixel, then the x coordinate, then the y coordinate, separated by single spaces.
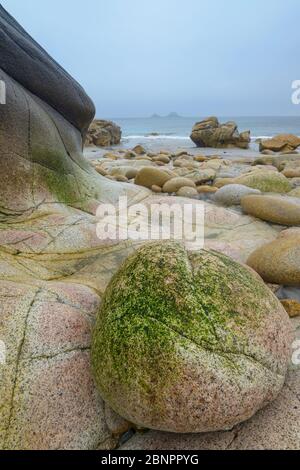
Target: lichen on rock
pixel 183 341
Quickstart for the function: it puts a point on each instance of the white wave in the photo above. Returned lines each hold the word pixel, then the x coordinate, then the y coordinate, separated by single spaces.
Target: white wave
pixel 155 137
pixel 263 137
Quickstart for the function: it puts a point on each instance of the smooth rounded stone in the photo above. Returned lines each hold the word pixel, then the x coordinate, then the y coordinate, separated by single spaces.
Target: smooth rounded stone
pixel 188 342
pixel 151 176
pixel 200 158
pixel 174 184
pixel 291 172
pixel 187 192
pixel 131 173
pixel 285 161
pixel 156 189
pixel 139 150
pixel 265 181
pixel 162 158
pixel 264 160
pixel 231 195
pixel 292 307
pixel 186 165
pixel 206 189
pixel 184 158
pixel 278 262
pixel 294 231
pixel 290 165
pixel 180 153
pixel 282 210
pixel 263 168
pixel 220 182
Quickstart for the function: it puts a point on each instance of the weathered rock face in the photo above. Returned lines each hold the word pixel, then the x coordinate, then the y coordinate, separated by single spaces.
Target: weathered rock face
pixel 280 143
pixel 103 133
pixel 48 192
pixel 210 133
pixel 188 343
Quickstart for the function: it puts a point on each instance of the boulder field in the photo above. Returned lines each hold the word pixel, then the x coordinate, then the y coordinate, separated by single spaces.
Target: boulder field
pixel 54 273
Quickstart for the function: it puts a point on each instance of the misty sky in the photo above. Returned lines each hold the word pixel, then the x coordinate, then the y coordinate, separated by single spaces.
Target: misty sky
pixel 195 57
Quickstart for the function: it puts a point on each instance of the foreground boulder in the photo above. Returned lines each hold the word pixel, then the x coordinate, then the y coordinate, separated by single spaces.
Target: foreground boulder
pixel 188 342
pixel 210 133
pixel 278 262
pixel 280 143
pixel 103 133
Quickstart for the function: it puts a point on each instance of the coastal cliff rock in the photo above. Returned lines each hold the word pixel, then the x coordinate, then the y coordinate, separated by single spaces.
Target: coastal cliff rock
pixel 103 133
pixel 48 193
pixel 210 133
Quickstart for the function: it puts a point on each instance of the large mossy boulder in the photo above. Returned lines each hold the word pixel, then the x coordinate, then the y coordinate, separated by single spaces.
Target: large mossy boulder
pixel 188 342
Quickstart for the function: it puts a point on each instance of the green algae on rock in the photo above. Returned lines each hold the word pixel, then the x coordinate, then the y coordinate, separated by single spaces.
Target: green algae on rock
pixel 188 342
pixel 265 181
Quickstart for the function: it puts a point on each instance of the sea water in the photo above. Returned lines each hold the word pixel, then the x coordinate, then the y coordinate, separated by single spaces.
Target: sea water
pixel 179 128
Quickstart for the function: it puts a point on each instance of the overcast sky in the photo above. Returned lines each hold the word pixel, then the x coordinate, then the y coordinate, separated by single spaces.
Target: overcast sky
pixel 195 57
